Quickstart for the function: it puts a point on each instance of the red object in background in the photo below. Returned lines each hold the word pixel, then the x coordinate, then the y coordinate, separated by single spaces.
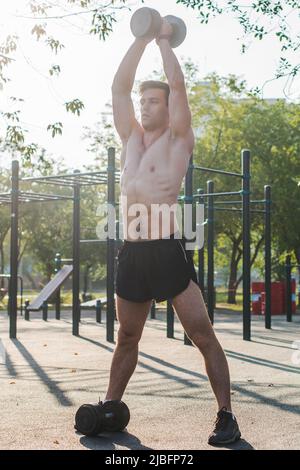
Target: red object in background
pixel 277 299
pixel 263 302
pixel 294 297
pixel 257 288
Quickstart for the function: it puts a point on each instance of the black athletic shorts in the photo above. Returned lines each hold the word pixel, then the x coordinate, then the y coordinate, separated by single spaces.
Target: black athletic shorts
pixel 154 269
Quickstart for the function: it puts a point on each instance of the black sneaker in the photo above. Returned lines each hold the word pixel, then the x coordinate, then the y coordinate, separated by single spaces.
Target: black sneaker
pixel 226 429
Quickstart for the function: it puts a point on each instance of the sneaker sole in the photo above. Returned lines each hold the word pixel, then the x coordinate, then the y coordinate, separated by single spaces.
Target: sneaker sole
pixel 236 437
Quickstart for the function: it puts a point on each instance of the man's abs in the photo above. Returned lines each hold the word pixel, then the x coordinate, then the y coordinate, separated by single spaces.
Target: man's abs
pixel 151 179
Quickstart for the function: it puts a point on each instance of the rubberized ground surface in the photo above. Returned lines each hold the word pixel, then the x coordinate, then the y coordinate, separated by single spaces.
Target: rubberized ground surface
pixel 48 373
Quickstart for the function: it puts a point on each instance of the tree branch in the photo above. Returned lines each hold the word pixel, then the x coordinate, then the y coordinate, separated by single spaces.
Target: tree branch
pixel 108 5
pixel 22 251
pixel 6 57
pixel 257 247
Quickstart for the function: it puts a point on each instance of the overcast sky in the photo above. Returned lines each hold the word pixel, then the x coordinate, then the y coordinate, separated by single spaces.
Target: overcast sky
pixel 88 66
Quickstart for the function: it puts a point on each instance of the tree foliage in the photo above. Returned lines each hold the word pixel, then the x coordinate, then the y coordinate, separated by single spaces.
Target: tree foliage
pixel 279 19
pixel 259 19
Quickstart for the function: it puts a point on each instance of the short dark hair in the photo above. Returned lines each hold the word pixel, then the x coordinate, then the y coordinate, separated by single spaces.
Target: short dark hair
pixel 155 84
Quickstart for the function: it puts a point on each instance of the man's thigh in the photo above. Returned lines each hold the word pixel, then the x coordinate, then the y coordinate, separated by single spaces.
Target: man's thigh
pixel 192 313
pixel 132 316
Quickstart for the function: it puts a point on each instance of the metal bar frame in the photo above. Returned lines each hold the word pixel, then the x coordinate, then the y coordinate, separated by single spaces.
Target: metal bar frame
pixel 14 251
pixel 201 257
pixel 110 277
pixel 226 193
pixel 215 170
pixel 233 209
pixel 170 319
pixel 76 262
pixel 210 252
pixel 261 201
pixel 188 193
pixel 268 310
pixel 245 157
pixel 73 176
pixel 288 288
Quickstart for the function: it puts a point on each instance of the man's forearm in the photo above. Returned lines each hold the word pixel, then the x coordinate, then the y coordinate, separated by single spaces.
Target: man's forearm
pixel 124 78
pixel 171 65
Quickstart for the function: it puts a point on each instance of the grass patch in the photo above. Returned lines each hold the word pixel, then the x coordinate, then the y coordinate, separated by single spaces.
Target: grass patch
pixel 66 299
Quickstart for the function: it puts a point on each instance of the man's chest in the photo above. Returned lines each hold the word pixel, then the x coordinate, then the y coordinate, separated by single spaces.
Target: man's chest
pixel 140 159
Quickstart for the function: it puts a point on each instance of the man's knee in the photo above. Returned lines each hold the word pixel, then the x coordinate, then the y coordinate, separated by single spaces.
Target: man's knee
pixel 128 338
pixel 203 341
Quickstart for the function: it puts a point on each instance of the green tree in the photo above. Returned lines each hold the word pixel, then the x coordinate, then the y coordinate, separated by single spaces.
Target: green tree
pixel 228 118
pixel 99 21
pixel 278 19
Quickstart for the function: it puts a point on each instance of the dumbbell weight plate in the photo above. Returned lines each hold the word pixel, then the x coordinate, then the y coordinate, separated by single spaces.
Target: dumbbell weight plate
pixel 179 30
pixel 145 22
pixel 94 418
pixel 88 419
pixel 115 416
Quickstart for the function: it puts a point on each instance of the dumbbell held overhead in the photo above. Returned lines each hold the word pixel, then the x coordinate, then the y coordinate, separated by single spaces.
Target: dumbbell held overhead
pixel 146 23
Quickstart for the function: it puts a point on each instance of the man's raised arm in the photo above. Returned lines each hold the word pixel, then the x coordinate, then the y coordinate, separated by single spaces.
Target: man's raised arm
pixel 179 110
pixel 124 117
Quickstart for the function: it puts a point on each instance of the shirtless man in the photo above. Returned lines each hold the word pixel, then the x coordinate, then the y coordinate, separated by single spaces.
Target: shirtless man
pixel 154 161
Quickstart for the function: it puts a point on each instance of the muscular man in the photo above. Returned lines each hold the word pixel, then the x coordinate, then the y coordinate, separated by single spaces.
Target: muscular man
pixel 154 161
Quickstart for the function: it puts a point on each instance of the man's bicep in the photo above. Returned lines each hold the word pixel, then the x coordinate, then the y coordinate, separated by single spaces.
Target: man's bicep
pixel 124 117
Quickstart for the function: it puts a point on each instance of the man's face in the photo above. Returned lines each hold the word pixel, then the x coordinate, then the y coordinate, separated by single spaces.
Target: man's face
pixel 154 109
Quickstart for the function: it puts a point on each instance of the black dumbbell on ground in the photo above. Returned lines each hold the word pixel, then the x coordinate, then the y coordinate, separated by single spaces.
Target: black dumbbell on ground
pixel 95 418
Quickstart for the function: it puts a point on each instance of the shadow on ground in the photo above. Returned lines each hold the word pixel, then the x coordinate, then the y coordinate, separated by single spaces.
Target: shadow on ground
pixel 111 441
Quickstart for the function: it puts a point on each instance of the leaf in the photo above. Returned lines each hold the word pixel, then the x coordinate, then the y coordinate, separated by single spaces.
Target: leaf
pixel 39 31
pixel 74 106
pixel 54 44
pixel 55 128
pixel 55 70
